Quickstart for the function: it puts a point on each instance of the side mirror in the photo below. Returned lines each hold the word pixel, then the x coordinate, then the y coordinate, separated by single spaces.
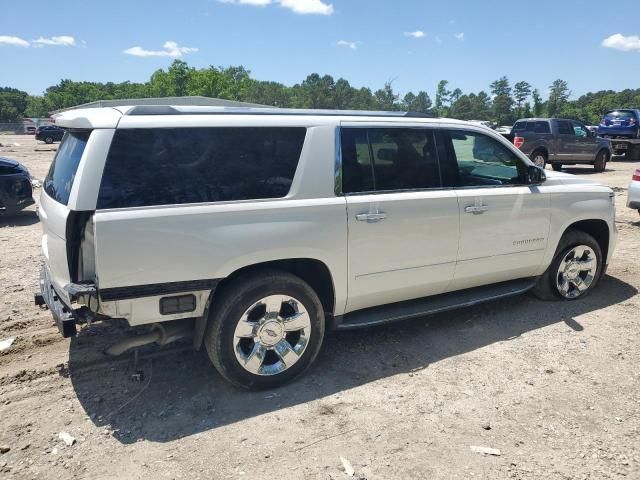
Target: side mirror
pixel 535 175
pixel 594 133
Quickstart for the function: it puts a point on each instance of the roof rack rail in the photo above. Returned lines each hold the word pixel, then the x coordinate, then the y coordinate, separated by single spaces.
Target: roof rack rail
pixel 201 110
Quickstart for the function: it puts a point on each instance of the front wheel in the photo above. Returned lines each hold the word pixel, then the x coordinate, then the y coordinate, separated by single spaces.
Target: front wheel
pixel 556 167
pixel 575 269
pixel 265 329
pixel 600 163
pixel 48 140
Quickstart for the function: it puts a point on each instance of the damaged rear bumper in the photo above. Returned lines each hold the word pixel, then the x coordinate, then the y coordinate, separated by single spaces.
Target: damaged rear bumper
pixel 65 316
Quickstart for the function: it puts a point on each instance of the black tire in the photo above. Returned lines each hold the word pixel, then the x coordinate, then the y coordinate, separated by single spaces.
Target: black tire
pixel 546 287
pixel 48 140
pixel 556 167
pixel 237 298
pixel 600 163
pixel 542 162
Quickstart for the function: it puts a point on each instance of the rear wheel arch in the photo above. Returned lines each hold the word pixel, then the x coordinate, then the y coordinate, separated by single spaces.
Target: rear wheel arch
pixel 312 271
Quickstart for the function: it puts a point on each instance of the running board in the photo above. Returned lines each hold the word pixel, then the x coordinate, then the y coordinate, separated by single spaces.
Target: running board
pixel 434 304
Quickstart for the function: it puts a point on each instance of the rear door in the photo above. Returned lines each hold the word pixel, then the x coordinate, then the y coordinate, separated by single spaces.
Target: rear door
pixel 565 141
pixel 504 223
pixel 403 226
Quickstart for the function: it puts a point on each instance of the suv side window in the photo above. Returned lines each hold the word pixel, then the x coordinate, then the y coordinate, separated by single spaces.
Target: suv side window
pixel 483 161
pixel 579 130
pixel 564 127
pixel 165 166
pixel 388 159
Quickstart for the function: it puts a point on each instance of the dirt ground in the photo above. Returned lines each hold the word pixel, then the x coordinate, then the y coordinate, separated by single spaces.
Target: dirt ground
pixel 554 386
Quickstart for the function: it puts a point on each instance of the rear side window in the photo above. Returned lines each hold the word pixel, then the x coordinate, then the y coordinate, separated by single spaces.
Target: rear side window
pixel 519 126
pixel 564 128
pixel 166 166
pixel 388 159
pixel 63 170
pixel 541 127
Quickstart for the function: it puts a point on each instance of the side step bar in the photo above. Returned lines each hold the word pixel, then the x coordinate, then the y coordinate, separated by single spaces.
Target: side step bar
pixel 435 304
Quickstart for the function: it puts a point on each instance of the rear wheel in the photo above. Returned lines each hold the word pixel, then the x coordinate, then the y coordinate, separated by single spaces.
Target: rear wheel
pixel 48 140
pixel 265 329
pixel 556 166
pixel 539 158
pixel 575 269
pixel 600 163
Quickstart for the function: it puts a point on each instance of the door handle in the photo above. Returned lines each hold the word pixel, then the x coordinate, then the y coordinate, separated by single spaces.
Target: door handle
pixel 476 209
pixel 370 217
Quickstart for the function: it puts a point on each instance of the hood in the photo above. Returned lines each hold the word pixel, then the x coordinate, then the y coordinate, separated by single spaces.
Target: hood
pixel 560 178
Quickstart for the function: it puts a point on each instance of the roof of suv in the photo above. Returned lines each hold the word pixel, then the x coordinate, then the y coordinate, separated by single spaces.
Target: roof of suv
pixel 110 117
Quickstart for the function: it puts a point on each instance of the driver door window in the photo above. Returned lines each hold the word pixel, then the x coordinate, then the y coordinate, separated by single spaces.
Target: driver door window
pixel 579 130
pixel 483 161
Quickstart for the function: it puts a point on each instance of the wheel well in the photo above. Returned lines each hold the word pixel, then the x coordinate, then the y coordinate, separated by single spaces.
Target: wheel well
pixel 599 230
pixel 606 152
pixel 314 272
pixel 542 150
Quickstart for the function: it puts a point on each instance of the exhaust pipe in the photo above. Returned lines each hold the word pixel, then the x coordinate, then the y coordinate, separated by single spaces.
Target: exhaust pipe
pixel 160 334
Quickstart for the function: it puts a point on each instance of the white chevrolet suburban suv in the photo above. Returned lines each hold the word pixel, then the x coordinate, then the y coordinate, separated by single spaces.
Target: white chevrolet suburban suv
pixel 255 231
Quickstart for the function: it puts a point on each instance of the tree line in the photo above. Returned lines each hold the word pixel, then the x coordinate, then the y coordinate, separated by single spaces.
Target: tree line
pixel 502 103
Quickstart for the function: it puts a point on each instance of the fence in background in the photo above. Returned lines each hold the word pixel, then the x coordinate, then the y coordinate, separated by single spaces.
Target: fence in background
pixel 17 127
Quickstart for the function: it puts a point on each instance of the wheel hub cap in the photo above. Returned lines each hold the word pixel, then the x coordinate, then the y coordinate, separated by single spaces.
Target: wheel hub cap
pixel 576 271
pixel 272 335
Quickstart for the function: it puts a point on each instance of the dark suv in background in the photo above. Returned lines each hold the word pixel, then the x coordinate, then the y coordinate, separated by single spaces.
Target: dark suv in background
pixel 560 142
pixel 623 123
pixel 49 134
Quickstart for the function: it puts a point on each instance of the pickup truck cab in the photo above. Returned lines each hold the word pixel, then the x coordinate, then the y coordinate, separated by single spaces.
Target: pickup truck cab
pixel 254 231
pixel 559 142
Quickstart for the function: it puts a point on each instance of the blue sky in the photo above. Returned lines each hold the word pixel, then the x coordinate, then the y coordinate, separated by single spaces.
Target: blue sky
pixel 414 43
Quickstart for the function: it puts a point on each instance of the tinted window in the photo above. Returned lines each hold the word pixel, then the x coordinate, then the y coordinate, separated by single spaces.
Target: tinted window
pixel 192 165
pixel 564 127
pixel 403 159
pixel 541 127
pixel 483 161
pixel 62 172
pixel 519 126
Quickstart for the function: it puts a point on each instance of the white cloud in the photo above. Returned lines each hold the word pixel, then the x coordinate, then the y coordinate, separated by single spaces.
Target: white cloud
pixel 416 34
pixel 621 42
pixel 13 41
pixel 171 49
pixel 301 7
pixel 308 7
pixel 344 43
pixel 61 40
pixel 459 36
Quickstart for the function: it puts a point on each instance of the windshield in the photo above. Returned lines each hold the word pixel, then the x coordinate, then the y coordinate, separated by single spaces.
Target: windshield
pixel 620 115
pixel 60 178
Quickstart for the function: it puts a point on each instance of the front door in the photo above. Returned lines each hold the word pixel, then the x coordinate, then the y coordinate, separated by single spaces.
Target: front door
pixel 585 144
pixel 403 226
pixel 504 223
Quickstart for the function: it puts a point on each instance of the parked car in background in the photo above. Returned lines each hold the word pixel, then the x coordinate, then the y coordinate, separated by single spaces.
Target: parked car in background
pixel 622 123
pixel 504 130
pixel 633 194
pixel 49 134
pixel 30 130
pixel 278 225
pixel 560 142
pixel 15 187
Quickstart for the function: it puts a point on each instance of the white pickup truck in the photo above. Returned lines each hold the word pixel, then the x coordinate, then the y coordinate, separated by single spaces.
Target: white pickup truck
pixel 255 231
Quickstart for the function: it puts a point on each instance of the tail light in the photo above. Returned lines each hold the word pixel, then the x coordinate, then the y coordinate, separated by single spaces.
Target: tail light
pixel 632 121
pixel 636 175
pixel 518 141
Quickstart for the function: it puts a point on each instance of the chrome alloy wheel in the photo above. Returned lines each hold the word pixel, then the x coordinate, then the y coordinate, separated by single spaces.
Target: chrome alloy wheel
pixel 539 160
pixel 272 335
pixel 576 271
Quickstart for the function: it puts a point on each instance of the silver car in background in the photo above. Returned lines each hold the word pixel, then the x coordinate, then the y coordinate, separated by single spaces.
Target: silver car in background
pixel 633 195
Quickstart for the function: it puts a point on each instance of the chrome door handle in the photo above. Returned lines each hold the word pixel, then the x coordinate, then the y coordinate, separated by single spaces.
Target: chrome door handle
pixel 370 217
pixel 476 209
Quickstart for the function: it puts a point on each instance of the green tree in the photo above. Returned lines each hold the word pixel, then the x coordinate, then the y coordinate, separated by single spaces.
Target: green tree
pixel 502 101
pixel 538 106
pixel 13 103
pixel 386 98
pixel 442 98
pixel 521 92
pixel 559 94
pixel 417 103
